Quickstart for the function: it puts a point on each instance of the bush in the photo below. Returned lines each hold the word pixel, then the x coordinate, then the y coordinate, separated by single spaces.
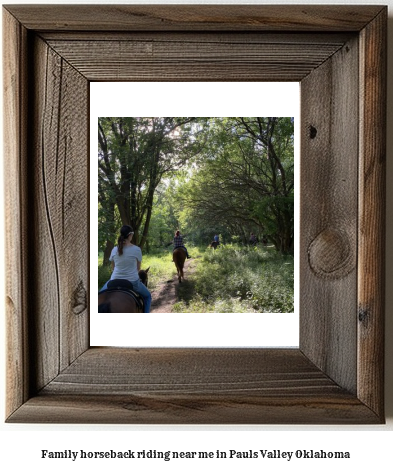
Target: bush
pixel 104 274
pixel 231 279
pixel 243 279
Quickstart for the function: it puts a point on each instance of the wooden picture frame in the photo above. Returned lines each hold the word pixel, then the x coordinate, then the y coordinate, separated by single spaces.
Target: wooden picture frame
pixel 338 54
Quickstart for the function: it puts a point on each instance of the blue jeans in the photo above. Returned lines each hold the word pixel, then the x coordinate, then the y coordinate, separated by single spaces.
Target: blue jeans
pixel 140 288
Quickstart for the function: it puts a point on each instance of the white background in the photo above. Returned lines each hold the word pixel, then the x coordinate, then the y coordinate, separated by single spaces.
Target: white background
pixel 174 99
pixel 370 446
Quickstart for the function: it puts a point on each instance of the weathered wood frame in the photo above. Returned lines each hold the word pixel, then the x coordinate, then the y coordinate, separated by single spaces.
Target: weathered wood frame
pixel 338 53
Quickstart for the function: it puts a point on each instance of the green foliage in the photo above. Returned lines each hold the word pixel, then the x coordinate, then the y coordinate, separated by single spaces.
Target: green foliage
pixel 160 262
pixel 232 279
pixel 135 154
pixel 230 176
pixel 161 265
pixel 243 181
pixel 242 280
pixel 104 272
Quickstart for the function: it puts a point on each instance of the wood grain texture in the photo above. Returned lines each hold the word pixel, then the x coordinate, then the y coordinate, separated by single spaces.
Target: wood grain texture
pixel 194 17
pixel 193 386
pixel 189 59
pixel 156 409
pixel 328 247
pixel 61 213
pixel 371 262
pixel 15 215
pixel 189 371
pixel 52 374
pixel 201 37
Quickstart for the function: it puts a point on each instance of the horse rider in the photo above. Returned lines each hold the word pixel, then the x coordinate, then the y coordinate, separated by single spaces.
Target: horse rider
pixel 178 242
pixel 216 238
pixel 253 239
pixel 126 261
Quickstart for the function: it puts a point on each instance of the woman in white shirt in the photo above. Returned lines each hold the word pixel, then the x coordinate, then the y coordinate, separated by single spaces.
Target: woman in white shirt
pixel 126 261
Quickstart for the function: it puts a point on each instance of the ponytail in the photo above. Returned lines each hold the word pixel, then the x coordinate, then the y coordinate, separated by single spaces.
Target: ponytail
pixel 125 231
pixel 120 243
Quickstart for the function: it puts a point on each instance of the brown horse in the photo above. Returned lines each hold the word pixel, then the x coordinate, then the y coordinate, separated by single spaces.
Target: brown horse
pixel 120 299
pixel 179 257
pixel 214 245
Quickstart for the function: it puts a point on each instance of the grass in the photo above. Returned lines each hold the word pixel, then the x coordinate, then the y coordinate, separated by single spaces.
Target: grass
pixel 160 263
pixel 232 279
pixel 238 279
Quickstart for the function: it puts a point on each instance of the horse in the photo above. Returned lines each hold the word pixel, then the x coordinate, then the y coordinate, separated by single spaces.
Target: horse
pixel 120 299
pixel 214 244
pixel 254 241
pixel 179 257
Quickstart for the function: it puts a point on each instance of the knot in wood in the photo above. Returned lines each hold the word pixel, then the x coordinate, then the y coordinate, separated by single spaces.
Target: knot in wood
pixel 80 299
pixel 331 255
pixel 363 315
pixel 313 132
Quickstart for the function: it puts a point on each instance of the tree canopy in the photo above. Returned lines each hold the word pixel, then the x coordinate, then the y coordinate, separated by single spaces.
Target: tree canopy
pixel 230 176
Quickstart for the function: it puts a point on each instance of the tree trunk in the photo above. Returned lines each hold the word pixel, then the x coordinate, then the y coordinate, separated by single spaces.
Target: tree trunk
pixel 107 252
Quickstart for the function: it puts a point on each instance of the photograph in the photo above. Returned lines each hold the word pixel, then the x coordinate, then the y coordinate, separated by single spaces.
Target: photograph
pixel 208 202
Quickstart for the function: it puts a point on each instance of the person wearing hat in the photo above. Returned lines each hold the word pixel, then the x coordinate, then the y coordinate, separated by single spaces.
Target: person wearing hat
pixel 126 261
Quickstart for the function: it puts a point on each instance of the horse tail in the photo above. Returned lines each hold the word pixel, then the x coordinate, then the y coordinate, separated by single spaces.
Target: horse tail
pixel 104 308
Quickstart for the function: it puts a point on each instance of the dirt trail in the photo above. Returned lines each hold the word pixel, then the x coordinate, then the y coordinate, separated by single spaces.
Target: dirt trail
pixel 166 294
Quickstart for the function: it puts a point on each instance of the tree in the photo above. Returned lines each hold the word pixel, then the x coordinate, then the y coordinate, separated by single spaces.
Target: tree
pixel 245 178
pixel 135 153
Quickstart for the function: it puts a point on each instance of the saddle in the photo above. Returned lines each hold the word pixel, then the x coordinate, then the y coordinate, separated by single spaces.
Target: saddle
pixel 181 248
pixel 124 286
